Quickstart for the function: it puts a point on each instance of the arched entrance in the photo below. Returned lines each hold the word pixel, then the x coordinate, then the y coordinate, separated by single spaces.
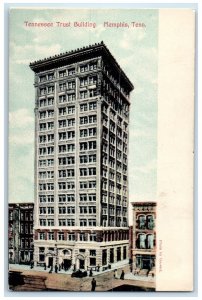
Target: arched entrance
pixel 80 262
pixel 65 258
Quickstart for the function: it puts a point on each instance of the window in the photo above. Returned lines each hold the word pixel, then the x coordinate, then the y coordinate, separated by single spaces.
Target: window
pixel 42 222
pixel 83 210
pixel 83 107
pixel 83 197
pixel 92 209
pixel 92 222
pixel 83 68
pixel 83 222
pixel 50 210
pixel 51 235
pixel 92 261
pixel 92 197
pixel 50 89
pixel 92 253
pixel 93 93
pixel 41 236
pixel 71 84
pixel 83 185
pixel 70 109
pixel 92 119
pixel 92 80
pixel 62 111
pixel 104 257
pixel 42 91
pixel 93 66
pixel 92 158
pixel 83 146
pixel 92 171
pixel 92 145
pixel 61 236
pixel 83 94
pixel 92 131
pixel 92 184
pixel 50 222
pixel 50 198
pixel 50 101
pixel 92 237
pixel 62 98
pixel 83 172
pixel 42 78
pixel 83 120
pixel 50 125
pixel 71 97
pixel 83 81
pixel 42 210
pixel 62 73
pixel 62 87
pixel 50 76
pixel 71 237
pixel 71 71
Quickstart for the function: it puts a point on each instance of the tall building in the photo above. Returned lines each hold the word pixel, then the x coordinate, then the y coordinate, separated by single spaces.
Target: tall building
pixel 144 238
pixel 20 235
pixel 81 159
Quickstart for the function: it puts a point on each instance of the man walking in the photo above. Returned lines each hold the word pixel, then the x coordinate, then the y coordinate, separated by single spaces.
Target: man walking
pixel 93 285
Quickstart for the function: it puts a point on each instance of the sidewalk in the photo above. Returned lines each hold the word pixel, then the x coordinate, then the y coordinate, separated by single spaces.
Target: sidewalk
pixel 114 266
pixel 64 282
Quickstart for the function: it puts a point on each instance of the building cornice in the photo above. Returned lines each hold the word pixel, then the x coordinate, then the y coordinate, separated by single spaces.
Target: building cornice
pixel 91 51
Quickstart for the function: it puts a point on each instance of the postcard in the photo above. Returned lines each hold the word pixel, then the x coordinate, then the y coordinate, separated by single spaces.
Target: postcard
pixel 101 149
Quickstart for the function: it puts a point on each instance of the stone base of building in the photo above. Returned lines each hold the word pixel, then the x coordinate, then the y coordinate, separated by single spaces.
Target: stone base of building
pixel 80 255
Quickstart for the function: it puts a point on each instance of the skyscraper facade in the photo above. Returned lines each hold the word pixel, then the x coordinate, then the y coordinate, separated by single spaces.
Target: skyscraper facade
pixel 81 159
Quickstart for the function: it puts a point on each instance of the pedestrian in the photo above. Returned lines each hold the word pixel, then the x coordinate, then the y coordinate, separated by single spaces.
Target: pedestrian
pixel 91 272
pixel 98 268
pixel 44 266
pixel 32 265
pixel 56 268
pixel 115 273
pixel 122 275
pixel 93 285
pixel 59 267
pixel 62 265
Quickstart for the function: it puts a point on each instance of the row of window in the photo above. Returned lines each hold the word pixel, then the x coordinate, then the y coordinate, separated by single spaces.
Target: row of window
pixel 71 197
pixel 91 145
pixel 67 135
pixel 64 198
pixel 70 237
pixel 91 158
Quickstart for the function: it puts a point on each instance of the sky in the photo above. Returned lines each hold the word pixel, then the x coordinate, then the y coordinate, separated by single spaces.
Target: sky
pixel 136 51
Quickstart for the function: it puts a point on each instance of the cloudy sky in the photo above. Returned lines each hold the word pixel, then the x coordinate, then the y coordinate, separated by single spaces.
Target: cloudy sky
pixel 135 49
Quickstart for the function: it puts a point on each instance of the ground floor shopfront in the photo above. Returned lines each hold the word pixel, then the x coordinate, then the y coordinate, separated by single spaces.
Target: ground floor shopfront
pixel 77 255
pixel 144 263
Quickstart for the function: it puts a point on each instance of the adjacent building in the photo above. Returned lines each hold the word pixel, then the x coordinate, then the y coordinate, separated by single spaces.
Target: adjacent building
pixel 81 159
pixel 20 235
pixel 144 238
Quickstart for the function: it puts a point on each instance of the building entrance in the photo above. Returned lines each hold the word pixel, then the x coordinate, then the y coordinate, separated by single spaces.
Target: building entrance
pixel 81 264
pixel 67 263
pixel 50 262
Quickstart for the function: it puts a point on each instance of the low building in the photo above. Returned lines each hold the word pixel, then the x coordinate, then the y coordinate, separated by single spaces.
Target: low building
pixel 144 238
pixel 20 233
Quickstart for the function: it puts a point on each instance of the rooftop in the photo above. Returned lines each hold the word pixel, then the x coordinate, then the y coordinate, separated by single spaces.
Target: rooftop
pixel 98 49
